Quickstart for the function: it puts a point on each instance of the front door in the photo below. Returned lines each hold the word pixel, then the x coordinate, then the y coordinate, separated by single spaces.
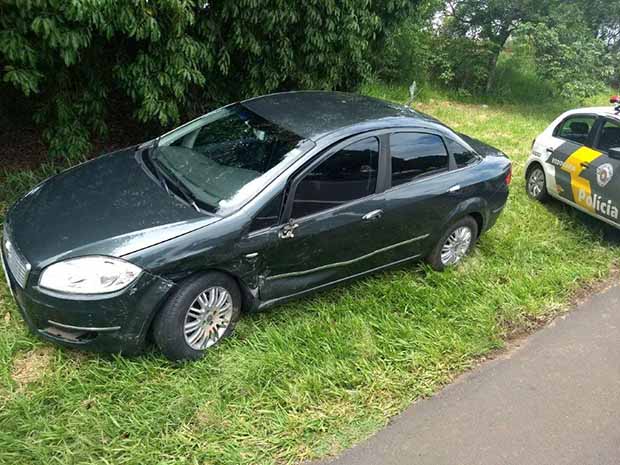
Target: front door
pixel 571 155
pixel 335 212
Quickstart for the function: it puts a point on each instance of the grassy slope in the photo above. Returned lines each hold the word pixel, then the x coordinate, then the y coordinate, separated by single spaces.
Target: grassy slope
pixel 317 375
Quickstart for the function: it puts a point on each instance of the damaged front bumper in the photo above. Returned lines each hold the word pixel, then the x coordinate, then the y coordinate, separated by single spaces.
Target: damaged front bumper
pixel 116 322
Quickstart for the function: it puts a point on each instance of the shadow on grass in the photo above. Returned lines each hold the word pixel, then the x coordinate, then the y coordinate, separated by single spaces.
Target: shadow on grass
pixel 607 234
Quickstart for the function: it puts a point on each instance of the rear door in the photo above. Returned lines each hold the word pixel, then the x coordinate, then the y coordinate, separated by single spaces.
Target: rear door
pixel 425 188
pixel 571 152
pixel 603 173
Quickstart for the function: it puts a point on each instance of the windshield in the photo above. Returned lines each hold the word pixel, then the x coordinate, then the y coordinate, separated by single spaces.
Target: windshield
pixel 226 157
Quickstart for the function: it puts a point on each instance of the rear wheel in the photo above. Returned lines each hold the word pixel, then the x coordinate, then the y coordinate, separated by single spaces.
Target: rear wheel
pixel 454 244
pixel 201 313
pixel 535 183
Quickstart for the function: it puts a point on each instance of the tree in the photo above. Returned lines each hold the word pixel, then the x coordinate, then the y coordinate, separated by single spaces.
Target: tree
pixel 603 18
pixel 72 58
pixel 569 52
pixel 492 22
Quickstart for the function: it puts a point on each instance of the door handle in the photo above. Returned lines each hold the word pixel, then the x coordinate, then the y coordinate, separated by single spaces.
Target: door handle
pixel 550 150
pixel 455 188
pixel 373 215
pixel 288 231
pixel 585 166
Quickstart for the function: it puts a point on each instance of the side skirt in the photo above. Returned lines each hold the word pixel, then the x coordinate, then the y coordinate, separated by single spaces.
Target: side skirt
pixel 272 302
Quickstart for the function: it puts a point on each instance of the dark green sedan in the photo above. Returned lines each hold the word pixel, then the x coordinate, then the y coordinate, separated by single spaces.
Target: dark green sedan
pixel 245 207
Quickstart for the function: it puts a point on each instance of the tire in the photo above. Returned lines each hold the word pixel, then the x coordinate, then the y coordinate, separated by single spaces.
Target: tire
pixel 463 235
pixel 536 183
pixel 209 304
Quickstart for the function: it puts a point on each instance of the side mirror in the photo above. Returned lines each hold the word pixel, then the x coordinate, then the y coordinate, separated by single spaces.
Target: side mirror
pixel 614 152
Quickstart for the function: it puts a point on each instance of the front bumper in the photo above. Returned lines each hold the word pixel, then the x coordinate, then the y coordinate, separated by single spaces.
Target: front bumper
pixel 115 322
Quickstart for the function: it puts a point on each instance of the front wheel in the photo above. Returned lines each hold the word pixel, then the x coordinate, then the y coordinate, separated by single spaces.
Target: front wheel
pixel 535 183
pixel 454 245
pixel 201 313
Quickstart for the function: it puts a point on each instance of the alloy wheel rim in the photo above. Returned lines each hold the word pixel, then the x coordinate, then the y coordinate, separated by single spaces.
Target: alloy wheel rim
pixel 536 182
pixel 207 318
pixel 456 246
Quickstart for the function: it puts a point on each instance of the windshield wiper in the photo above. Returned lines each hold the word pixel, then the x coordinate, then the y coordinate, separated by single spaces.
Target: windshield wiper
pixel 185 193
pixel 156 169
pixel 164 176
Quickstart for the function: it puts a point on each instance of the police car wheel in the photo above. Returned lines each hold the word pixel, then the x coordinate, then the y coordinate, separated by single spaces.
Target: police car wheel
pixel 535 183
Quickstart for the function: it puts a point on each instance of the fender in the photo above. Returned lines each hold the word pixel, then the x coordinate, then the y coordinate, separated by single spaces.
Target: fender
pixel 474 205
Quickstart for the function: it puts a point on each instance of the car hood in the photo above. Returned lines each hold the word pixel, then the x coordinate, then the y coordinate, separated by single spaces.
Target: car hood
pixel 108 206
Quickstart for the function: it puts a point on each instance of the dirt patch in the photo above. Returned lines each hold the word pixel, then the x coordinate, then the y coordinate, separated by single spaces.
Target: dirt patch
pixel 31 366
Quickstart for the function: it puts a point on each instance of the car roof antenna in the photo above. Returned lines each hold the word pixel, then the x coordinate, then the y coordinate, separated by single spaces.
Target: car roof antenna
pixel 412 93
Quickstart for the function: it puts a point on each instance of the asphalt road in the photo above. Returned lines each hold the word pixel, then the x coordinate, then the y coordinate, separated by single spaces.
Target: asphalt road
pixel 554 399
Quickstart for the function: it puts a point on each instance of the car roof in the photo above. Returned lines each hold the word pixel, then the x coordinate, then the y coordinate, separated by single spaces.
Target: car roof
pixel 314 114
pixel 600 111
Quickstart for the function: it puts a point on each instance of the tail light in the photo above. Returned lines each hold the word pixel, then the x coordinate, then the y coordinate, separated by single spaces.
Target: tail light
pixel 508 178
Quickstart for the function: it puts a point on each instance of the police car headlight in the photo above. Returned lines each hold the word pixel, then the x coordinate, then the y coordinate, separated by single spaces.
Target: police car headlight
pixel 89 275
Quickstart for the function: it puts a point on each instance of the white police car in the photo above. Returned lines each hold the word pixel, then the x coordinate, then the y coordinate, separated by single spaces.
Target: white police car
pixel 577 160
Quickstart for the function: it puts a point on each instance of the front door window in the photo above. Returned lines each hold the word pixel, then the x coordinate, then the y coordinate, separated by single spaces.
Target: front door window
pixel 349 174
pixel 576 128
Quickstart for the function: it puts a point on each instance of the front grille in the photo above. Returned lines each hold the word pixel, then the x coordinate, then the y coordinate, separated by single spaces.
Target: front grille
pixel 18 266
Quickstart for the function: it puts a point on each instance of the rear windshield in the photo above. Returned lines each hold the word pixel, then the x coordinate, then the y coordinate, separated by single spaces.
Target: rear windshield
pixel 224 158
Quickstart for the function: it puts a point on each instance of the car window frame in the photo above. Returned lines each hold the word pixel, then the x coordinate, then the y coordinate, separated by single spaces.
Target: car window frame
pixel 477 156
pixel 598 129
pixel 589 140
pixel 277 223
pixel 296 178
pixel 451 161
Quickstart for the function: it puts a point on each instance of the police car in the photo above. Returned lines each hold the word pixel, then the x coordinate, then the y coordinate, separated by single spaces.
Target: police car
pixel 577 161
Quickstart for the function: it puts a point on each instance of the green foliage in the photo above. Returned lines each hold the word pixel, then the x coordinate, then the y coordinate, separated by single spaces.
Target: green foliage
pixel 570 57
pixel 461 63
pixel 486 25
pixel 517 78
pixel 506 49
pixel 406 54
pixel 172 57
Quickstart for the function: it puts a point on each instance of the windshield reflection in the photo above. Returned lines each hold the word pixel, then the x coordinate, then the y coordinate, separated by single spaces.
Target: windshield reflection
pixel 228 156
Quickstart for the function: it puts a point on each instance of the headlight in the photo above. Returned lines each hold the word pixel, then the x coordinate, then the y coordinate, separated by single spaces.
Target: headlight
pixel 89 275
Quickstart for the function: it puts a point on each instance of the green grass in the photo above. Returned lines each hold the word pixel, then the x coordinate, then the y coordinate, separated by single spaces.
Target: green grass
pixel 312 377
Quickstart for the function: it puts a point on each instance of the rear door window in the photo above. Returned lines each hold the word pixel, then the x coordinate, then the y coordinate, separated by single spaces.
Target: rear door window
pixel 576 128
pixel 462 157
pixel 415 155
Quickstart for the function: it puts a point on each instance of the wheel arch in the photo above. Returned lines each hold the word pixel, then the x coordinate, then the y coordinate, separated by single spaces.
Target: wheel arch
pixel 476 208
pixel 479 220
pixel 249 295
pixel 531 165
